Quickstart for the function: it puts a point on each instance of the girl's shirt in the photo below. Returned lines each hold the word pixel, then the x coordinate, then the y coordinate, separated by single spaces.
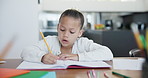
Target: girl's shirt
pixel 86 49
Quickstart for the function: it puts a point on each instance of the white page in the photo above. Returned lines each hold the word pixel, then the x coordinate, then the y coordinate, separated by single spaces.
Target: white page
pixel 127 64
pixel 31 65
pixel 60 65
pixel 88 64
pixel 140 62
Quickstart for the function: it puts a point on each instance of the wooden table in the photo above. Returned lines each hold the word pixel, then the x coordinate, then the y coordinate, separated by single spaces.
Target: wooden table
pixel 78 73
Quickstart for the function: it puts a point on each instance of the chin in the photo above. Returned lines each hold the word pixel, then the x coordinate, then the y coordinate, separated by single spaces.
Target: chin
pixel 65 45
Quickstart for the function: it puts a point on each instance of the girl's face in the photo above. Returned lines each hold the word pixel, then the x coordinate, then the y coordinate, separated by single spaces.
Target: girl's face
pixel 69 31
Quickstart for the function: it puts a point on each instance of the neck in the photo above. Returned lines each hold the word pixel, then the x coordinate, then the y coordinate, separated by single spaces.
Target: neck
pixel 68 47
pixel 66 50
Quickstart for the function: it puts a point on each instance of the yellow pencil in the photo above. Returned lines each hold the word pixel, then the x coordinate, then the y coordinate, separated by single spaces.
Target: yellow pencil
pixel 137 37
pixel 45 42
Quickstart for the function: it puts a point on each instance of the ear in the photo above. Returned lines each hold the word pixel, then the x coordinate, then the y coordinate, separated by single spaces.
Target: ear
pixel 81 32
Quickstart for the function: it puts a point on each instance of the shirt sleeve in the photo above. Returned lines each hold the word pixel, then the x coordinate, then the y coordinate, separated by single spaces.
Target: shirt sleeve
pixel 92 51
pixel 35 52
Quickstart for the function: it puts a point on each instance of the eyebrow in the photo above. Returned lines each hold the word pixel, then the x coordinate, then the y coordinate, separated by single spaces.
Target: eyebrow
pixel 62 26
pixel 65 27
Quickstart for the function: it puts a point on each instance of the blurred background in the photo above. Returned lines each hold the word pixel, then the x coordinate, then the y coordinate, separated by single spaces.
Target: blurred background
pixel 107 22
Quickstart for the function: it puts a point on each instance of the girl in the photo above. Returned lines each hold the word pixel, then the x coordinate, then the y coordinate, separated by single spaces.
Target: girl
pixel 68 45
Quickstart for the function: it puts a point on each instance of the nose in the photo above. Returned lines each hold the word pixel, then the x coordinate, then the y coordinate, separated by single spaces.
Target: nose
pixel 66 34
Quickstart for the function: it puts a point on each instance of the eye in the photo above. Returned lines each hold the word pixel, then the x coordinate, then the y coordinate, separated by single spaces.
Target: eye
pixel 72 32
pixel 62 29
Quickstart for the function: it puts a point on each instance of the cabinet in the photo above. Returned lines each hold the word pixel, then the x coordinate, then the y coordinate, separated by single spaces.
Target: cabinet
pixel 120 41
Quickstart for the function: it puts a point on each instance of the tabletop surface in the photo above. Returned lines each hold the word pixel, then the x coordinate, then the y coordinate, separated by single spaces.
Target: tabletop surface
pixel 79 73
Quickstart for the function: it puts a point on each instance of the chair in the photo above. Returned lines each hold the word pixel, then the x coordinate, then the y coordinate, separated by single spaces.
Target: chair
pixel 136 53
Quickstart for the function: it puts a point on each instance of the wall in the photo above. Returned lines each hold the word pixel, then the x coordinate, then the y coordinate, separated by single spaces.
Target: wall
pixel 94 5
pixel 146 4
pixel 19 18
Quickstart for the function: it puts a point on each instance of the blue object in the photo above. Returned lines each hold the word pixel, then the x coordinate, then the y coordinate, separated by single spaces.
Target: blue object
pixel 49 75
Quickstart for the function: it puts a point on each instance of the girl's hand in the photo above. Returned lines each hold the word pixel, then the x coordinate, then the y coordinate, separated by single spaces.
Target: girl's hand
pixel 49 58
pixel 69 57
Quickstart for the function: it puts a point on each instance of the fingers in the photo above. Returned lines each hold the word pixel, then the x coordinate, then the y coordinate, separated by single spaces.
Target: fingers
pixel 68 57
pixel 52 59
pixel 49 58
pixel 46 61
pixel 63 56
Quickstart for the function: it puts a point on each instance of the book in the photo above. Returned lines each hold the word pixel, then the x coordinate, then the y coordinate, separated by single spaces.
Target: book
pixel 63 65
pixel 7 73
pixel 37 74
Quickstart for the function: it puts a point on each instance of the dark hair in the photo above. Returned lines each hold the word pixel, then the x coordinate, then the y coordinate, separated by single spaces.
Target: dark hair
pixel 75 14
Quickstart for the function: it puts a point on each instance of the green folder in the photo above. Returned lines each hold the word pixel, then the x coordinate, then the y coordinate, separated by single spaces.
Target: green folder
pixel 32 74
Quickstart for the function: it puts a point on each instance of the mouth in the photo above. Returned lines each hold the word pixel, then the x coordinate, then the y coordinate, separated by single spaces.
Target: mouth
pixel 65 41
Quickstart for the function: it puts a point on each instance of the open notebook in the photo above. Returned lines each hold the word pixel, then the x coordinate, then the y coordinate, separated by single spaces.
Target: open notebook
pixel 63 65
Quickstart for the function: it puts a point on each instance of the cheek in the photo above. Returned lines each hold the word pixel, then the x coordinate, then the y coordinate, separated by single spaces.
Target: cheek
pixel 73 38
pixel 59 33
